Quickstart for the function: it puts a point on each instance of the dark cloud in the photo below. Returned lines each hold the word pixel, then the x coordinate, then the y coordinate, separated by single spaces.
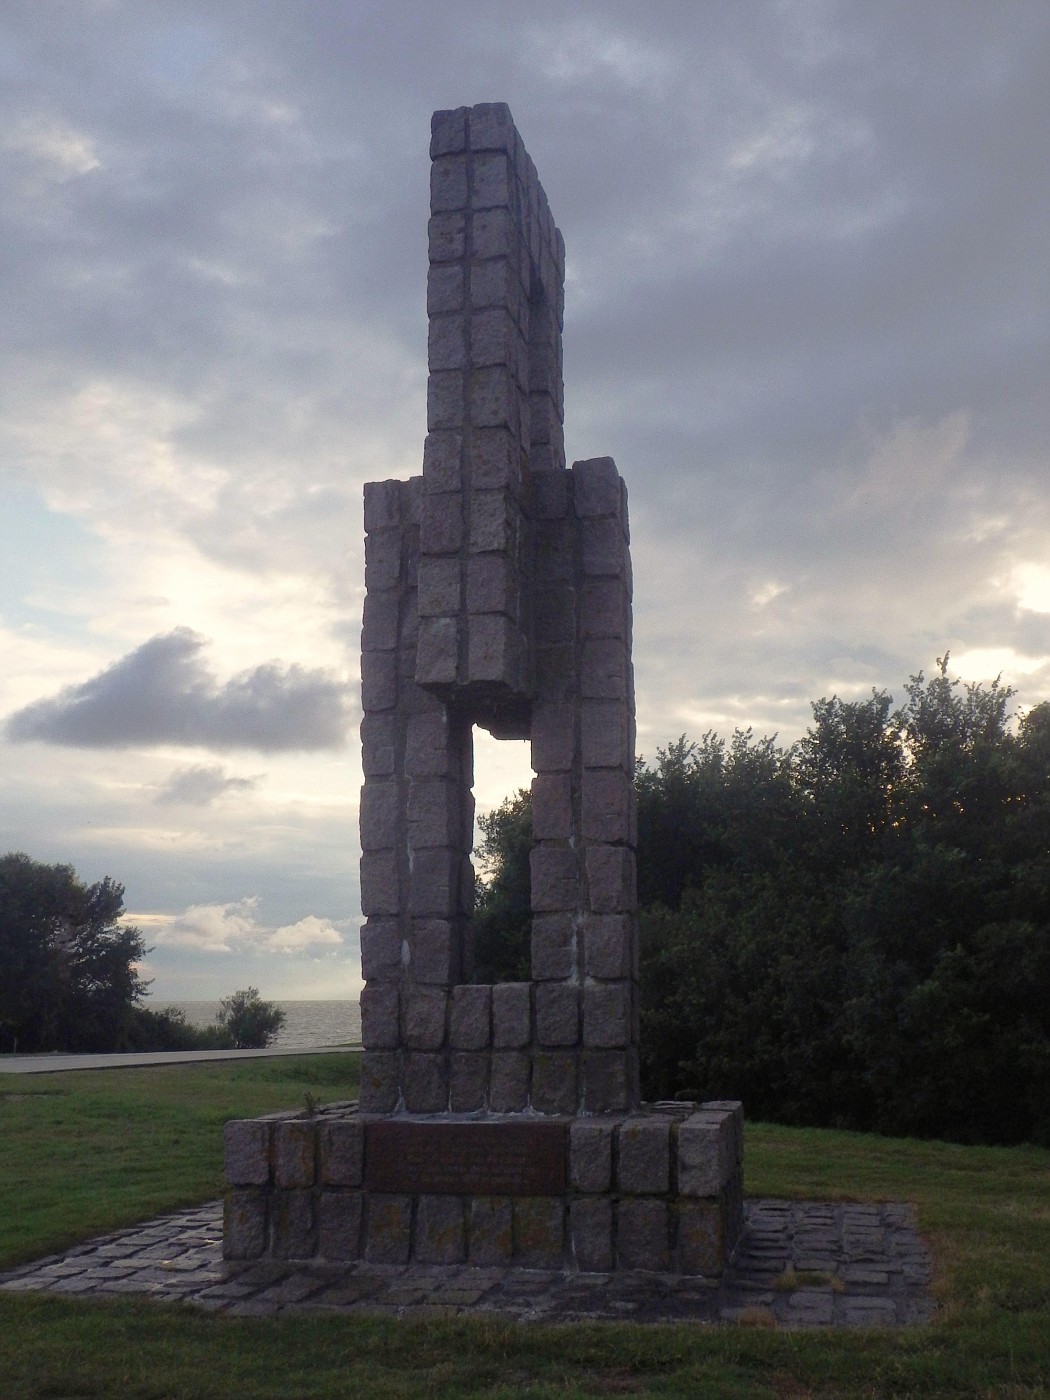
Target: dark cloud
pixel 161 693
pixel 199 785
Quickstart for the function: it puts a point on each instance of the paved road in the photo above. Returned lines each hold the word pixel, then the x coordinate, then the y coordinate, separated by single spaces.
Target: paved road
pixel 53 1064
pixel 801 1264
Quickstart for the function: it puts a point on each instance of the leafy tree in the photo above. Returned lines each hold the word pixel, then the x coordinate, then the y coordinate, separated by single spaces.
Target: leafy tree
pixel 501 927
pixel 704 806
pixel 250 1022
pixel 69 975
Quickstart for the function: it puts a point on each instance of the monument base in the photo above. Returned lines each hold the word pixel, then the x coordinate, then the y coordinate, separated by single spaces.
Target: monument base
pixel 659 1189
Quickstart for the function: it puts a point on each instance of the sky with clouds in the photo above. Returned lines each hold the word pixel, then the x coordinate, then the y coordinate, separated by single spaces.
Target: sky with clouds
pixel 806 311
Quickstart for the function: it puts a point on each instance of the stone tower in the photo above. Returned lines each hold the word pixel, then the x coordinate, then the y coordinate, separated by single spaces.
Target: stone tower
pixel 497 1124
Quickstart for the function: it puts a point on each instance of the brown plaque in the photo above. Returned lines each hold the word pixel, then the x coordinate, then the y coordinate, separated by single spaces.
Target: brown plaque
pixel 465 1159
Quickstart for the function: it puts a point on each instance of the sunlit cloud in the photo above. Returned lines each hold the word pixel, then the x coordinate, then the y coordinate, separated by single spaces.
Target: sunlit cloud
pixel 233 927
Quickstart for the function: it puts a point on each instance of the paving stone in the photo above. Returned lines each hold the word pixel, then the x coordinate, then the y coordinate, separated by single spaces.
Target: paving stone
pixel 128 1265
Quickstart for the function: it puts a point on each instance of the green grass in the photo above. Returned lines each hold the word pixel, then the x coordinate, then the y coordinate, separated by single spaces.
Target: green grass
pixel 86 1152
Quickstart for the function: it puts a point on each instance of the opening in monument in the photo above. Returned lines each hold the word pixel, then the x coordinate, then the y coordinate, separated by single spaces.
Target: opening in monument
pixel 501 926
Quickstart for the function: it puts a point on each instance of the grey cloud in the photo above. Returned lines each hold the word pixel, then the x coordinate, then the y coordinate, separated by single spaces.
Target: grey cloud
pixel 161 693
pixel 731 327
pixel 199 785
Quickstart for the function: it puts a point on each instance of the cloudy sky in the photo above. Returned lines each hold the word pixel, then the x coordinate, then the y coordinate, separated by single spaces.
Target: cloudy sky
pixel 807 313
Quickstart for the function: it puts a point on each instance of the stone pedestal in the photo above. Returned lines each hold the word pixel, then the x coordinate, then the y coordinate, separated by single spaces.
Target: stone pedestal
pixel 658 1189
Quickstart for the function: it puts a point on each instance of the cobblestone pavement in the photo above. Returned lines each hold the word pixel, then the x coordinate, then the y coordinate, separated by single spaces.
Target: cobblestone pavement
pixel 802 1264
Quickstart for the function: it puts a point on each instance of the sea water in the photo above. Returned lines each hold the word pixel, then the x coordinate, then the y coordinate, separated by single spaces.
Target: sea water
pixel 306 1023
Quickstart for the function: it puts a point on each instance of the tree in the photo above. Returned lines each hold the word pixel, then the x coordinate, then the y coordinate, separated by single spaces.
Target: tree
pixel 69 976
pixel 501 928
pixel 251 1022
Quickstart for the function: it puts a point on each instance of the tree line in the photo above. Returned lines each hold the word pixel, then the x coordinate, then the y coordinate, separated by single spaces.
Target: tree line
pixel 70 978
pixel 853 930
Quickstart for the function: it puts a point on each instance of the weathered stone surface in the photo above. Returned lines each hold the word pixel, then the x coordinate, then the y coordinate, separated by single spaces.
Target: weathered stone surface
pixel 704 1153
pixel 445 290
pixel 557 1013
pixel 701 1238
pixel 611 879
pixel 608 940
pixel 434 813
pixel 606 805
pixel 554 879
pixel 511 1015
pixel 645 1155
pixel 388 1222
pixel 605 734
pixel 294 1152
pixel 378 739
pixel 292 1225
pixel 381 950
pixel 437 651
pixel 596 487
pixel 642 1239
pixel 607 1015
pixel 591 1229
pixel 734 1129
pixel 591 1154
pixel 428 746
pixel 434 885
pixel 607 1082
pixel 553 744
pixel 468 1080
pixel 539 1232
pixel 425 1082
pixel 470 1023
pixel 447 237
pixel 244 1224
pixel 380 889
pixel 340 1152
pixel 553 947
pixel 378 680
pixel 509 1081
pixel 552 807
pixel 383 560
pixel 604 669
pixel 493 651
pixel 379 1081
pixel 491 1231
pixel 379 1017
pixel 247 1153
pixel 339 1216
pixel 432 952
pixel 440 1230
pixel 379 628
pixel 554 1081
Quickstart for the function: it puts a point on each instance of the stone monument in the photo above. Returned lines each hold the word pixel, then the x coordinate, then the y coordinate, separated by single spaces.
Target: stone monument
pixel 496 1124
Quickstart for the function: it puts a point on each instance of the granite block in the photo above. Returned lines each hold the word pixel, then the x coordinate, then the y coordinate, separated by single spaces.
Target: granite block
pixel 339 1215
pixel 591 1154
pixel 388 1229
pixel 440 1230
pixel 244 1233
pixel 246 1144
pixel 642 1234
pixel 591 1229
pixel 644 1155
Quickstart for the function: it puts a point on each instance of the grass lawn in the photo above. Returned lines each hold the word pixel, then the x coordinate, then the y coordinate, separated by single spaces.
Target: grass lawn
pixel 87 1152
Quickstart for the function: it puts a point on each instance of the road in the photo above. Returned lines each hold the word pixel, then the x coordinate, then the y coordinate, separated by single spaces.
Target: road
pixel 54 1064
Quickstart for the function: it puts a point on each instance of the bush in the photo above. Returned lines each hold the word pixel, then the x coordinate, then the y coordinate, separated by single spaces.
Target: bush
pixel 250 1022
